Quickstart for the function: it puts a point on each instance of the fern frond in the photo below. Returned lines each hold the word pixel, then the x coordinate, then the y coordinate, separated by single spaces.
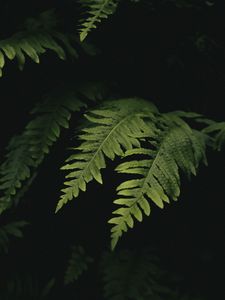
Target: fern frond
pixel 131 275
pixel 97 10
pixel 15 170
pixel 218 132
pixel 39 36
pixel 9 230
pixel 110 130
pixel 52 115
pixel 176 147
pixel 26 152
pixel 77 264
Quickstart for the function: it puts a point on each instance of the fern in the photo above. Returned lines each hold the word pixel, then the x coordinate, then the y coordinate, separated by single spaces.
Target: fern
pixel 52 115
pixel 26 151
pixel 78 263
pixel 97 10
pixel 9 230
pixel 39 36
pixel 131 275
pixel 175 147
pixel 218 131
pixel 15 170
pixel 109 132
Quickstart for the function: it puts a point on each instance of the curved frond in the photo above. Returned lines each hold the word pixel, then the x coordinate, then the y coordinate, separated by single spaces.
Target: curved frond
pixel 97 10
pixel 156 176
pixel 77 264
pixel 39 36
pixel 110 130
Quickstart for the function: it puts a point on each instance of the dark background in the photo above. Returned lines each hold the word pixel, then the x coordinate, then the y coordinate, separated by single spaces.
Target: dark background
pixel 150 52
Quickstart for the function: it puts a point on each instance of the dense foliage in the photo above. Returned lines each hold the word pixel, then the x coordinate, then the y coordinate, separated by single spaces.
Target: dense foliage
pixel 126 110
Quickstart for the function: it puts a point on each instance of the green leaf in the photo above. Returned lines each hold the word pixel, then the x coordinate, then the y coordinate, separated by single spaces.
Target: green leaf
pixel 110 130
pixel 175 148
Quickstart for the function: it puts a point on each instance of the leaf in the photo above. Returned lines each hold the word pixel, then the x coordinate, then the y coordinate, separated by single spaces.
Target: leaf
pixel 96 10
pixel 176 148
pixel 27 151
pixel 110 130
pixel 39 35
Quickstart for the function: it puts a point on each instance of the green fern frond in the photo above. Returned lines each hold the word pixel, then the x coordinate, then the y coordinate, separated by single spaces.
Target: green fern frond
pixel 218 132
pixel 97 10
pixel 34 41
pixel 15 170
pixel 176 147
pixel 110 130
pixel 9 230
pixel 131 275
pixel 26 152
pixel 52 115
pixel 77 264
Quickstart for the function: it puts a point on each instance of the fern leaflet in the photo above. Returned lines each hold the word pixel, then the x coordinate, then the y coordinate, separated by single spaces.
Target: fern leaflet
pixel 176 147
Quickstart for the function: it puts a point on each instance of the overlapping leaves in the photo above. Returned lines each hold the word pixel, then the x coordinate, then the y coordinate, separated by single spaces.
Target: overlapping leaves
pixel 109 131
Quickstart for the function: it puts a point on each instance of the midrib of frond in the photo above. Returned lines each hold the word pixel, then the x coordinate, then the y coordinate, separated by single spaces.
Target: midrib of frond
pixel 105 140
pixel 153 165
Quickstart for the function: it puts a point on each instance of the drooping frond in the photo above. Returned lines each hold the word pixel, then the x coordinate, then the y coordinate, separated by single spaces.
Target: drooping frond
pixel 217 130
pixel 38 36
pixel 10 230
pixel 131 275
pixel 26 152
pixel 97 10
pixel 77 264
pixel 14 170
pixel 109 131
pixel 156 177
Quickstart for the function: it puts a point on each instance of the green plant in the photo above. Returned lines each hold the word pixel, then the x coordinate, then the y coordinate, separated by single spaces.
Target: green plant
pixel 150 151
